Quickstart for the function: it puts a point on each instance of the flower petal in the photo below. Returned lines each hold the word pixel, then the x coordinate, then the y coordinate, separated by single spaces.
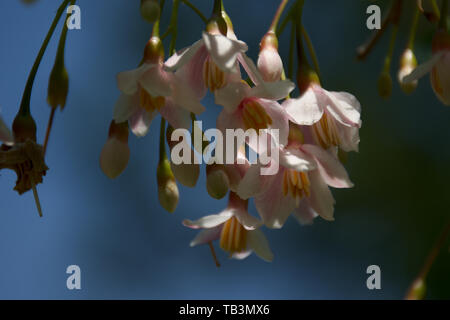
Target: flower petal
pixel 184 97
pixel 257 241
pixel 140 122
pixel 182 57
pixel 423 69
pixel 248 221
pixel 223 51
pixel 253 183
pixel 156 82
pixel 280 119
pixel 304 214
pixel 273 90
pixel 125 107
pixel 297 160
pixel 127 81
pixel 321 200
pixel 344 108
pixel 206 236
pixel 330 168
pixel 232 95
pixel 305 110
pixel 176 116
pixel 210 221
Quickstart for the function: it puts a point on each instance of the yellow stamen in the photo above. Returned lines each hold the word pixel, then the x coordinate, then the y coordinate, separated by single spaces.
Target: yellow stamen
pixel 255 116
pixel 150 103
pixel 234 237
pixel 326 132
pixel 296 184
pixel 213 77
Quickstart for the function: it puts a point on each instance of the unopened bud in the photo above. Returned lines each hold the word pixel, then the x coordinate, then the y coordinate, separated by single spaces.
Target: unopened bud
pixel 306 77
pixel 269 61
pixel 217 25
pixel 385 85
pixel 417 290
pixel 24 128
pixel 115 153
pixel 150 10
pixel 58 86
pixel 167 187
pixel 408 63
pixel 154 51
pixel 440 74
pixel 217 182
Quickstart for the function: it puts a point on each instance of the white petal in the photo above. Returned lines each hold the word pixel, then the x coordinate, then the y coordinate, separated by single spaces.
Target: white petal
pixel 257 241
pixel 273 90
pixel 127 81
pixel 206 236
pixel 253 183
pixel 210 221
pixel 297 160
pixel 304 214
pixel 232 95
pixel 321 199
pixel 184 97
pixel 280 119
pixel 344 109
pixel 140 122
pixel 251 69
pixel 248 221
pixel 305 110
pixel 125 107
pixel 423 69
pixel 184 56
pixel 175 115
pixel 223 51
pixel 156 82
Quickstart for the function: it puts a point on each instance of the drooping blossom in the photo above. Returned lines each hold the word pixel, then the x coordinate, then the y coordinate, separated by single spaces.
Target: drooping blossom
pixel 335 117
pixel 300 186
pixel 150 89
pixel 438 67
pixel 236 230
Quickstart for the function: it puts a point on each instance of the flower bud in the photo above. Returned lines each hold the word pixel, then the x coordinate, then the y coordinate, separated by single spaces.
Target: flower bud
pixel 24 128
pixel 185 173
pixel 408 63
pixel 440 74
pixel 217 25
pixel 115 153
pixel 269 61
pixel 167 187
pixel 306 77
pixel 150 10
pixel 154 51
pixel 217 182
pixel 417 290
pixel 58 86
pixel 385 85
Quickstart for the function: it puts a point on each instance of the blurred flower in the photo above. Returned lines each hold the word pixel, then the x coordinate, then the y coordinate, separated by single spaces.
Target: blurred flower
pixel 236 228
pixel 115 153
pixel 335 116
pixel 439 66
pixel 408 63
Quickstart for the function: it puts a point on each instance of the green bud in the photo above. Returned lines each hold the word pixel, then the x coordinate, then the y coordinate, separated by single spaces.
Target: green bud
pixel 408 63
pixel 217 181
pixel 385 85
pixel 58 86
pixel 167 187
pixel 24 128
pixel 150 10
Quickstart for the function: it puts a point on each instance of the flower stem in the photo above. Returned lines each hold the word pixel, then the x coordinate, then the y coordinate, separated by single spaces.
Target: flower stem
pixel 388 59
pixel 196 10
pixel 49 129
pixel 174 26
pixel 435 9
pixel 278 13
pixel 311 49
pixel 26 97
pixel 162 141
pixel 291 52
pixel 213 253
pixel 444 11
pixel 412 34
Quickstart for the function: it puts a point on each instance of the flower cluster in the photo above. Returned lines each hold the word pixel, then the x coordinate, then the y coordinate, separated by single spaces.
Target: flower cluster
pixel 312 128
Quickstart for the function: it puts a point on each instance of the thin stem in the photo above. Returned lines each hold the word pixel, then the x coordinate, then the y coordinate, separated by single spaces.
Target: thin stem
pixel 286 20
pixel 443 19
pixel 162 141
pixel 434 252
pixel 278 13
pixel 49 129
pixel 196 10
pixel 311 50
pixel 36 197
pixel 435 9
pixel 388 59
pixel 174 26
pixel 26 97
pixel 291 52
pixel 213 253
pixel 412 34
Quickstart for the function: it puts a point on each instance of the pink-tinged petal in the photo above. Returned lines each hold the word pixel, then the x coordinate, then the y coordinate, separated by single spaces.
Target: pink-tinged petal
pixel 330 168
pixel 272 205
pixel 223 51
pixel 423 69
pixel 304 214
pixel 241 255
pixel 5 133
pixel 305 110
pixel 297 160
pixel 184 97
pixel 321 200
pixel 273 90
pixel 348 137
pixel 232 95
pixel 126 106
pixel 176 116
pixel 192 73
pixel 127 81
pixel 279 118
pixel 227 120
pixel 182 57
pixel 257 241
pixel 140 122
pixel 156 81
pixel 253 183
pixel 114 157
pixel 207 235
pixel 251 69
pixel 210 221
pixel 440 79
pixel 248 221
pixel 344 109
pixel 270 64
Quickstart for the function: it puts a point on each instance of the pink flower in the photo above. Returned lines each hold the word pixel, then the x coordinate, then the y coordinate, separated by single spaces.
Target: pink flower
pixel 254 108
pixel 5 134
pixel 210 63
pixel 269 61
pixel 438 67
pixel 149 90
pixel 335 116
pixel 236 228
pixel 300 186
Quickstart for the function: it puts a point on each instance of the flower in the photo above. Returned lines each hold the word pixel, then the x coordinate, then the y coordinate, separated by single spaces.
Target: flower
pixel 300 186
pixel 115 153
pixel 5 134
pixel 236 228
pixel 149 89
pixel 438 67
pixel 210 63
pixel 254 108
pixel 334 116
pixel 269 61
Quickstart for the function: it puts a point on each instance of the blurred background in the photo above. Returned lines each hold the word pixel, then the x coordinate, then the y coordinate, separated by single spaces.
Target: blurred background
pixel 128 247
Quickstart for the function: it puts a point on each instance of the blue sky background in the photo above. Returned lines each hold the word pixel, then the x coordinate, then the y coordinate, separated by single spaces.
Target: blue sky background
pixel 128 247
